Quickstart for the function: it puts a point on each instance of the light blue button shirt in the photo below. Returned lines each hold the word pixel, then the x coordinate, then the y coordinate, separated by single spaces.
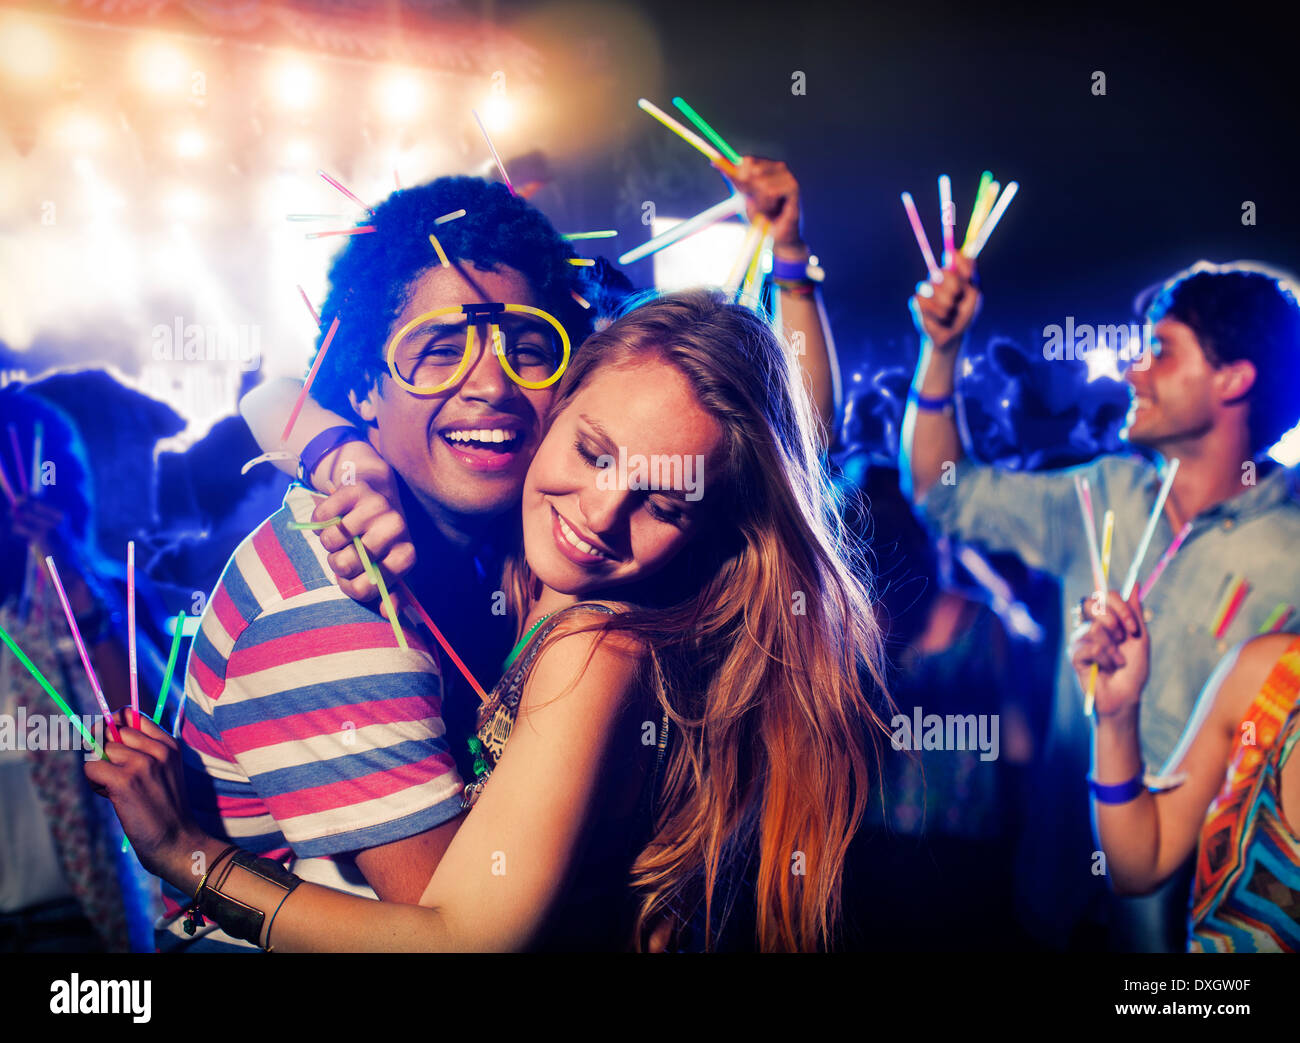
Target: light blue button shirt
pixel 1255 535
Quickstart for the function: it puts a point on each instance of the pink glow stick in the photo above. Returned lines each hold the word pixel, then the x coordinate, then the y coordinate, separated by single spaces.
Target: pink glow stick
pixel 433 629
pixel 947 214
pixel 8 489
pixel 81 651
pixel 1084 492
pixel 921 241
pixel 18 457
pixel 1165 559
pixel 306 387
pixel 340 187
pixel 307 301
pixel 130 631
pixel 342 231
pixel 493 149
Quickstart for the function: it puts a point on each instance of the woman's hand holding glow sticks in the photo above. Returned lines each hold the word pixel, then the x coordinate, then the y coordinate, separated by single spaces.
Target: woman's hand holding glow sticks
pixel 1118 644
pixel 943 311
pixel 376 518
pixel 142 776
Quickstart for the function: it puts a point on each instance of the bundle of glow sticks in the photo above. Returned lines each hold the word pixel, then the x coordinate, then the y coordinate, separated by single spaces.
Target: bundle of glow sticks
pixel 985 215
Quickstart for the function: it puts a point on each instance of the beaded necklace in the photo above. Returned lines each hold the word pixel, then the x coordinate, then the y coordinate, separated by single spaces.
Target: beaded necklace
pixel 476 748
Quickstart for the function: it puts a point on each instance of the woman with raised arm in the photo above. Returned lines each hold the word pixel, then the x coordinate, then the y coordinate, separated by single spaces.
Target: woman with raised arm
pixel 1230 793
pixel 692 646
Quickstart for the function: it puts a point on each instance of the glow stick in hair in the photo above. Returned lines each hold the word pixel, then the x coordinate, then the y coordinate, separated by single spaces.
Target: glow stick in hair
pixel 58 699
pixel 910 206
pixel 729 207
pixel 973 226
pixel 438 246
pixel 315 315
pixel 495 155
pixel 991 222
pixel 18 460
pixel 607 234
pixel 1130 581
pixel 81 651
pixel 342 231
pixel 306 387
pixel 1108 531
pixel 1084 492
pixel 1164 561
pixel 449 217
pixel 947 215
pixel 130 631
pixel 345 191
pixel 691 138
pixel 707 131
pixel 171 666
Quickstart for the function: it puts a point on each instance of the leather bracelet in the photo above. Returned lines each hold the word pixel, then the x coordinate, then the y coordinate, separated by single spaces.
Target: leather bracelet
pixel 1120 793
pixel 322 445
pixel 193 918
pixel 238 919
pixel 932 405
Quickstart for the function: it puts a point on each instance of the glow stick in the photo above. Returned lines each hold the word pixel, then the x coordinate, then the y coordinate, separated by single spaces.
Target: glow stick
pixel 8 489
pixel 753 239
pixel 438 246
pixel 266 458
pixel 910 206
pixel 1130 581
pixel 302 526
pixel 130 631
pixel 18 459
pixel 1108 531
pixel 312 217
pixel 571 236
pixel 171 666
pixel 753 280
pixel 180 717
pixel 1277 619
pixel 38 451
pixel 451 652
pixel 579 298
pixel 495 155
pixel 947 215
pixel 691 138
pixel 40 679
pixel 581 262
pixel 342 231
pixel 718 212
pixel 1237 595
pixel 315 316
pixel 1084 493
pixel 973 226
pixel 377 577
pixel 980 214
pixel 345 191
pixel 81 651
pixel 449 217
pixel 1165 559
pixel 991 222
pixel 707 131
pixel 302 395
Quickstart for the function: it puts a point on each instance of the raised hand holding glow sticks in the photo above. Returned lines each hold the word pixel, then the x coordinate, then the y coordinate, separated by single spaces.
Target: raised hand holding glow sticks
pixel 991 222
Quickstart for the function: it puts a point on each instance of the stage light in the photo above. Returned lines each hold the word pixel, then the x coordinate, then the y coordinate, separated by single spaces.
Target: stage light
pixel 79 130
pixel 1103 361
pixel 299 152
pixel 401 96
pixel 190 144
pixel 1287 450
pixel 160 67
pixel 294 85
pixel 184 204
pixel 704 262
pixel 498 112
pixel 26 51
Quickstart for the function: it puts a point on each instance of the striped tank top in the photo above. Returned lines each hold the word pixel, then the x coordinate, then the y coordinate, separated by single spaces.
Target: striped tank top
pixel 1247 892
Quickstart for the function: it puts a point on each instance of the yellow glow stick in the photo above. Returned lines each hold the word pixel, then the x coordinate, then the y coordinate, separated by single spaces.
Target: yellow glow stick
pixel 986 179
pixel 750 287
pixel 991 222
pixel 1108 532
pixel 438 246
pixel 378 578
pixel 688 136
pixel 753 239
pixel 983 204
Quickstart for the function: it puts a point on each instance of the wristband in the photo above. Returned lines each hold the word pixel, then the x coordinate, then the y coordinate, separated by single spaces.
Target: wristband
pixel 1120 793
pixel 236 918
pixel 322 445
pixel 805 271
pixel 932 405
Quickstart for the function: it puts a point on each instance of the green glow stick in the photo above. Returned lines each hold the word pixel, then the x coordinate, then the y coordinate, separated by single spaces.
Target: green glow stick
pixel 171 665
pixel 31 669
pixel 300 526
pixel 378 578
pixel 708 131
pixel 972 228
pixel 571 236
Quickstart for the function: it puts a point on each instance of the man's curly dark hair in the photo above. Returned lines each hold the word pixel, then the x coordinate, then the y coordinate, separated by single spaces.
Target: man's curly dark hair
pixel 1242 311
pixel 371 277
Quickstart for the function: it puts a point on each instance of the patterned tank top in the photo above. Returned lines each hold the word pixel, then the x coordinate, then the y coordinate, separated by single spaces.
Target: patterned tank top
pixel 1247 892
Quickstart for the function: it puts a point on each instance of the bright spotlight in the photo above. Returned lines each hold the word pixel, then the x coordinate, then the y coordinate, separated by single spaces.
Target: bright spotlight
pixel 79 130
pixel 401 96
pixel 160 67
pixel 190 144
pixel 299 152
pixel 498 112
pixel 184 204
pixel 294 85
pixel 26 51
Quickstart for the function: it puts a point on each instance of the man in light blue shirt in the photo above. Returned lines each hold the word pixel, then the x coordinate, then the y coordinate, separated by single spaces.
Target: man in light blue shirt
pixel 1216 388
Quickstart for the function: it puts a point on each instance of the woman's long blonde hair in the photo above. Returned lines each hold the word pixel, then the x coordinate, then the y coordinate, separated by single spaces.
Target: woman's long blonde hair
pixel 757 639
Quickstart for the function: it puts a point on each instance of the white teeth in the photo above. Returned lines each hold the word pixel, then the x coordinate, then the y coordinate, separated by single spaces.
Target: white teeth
pixel 580 544
pixel 494 435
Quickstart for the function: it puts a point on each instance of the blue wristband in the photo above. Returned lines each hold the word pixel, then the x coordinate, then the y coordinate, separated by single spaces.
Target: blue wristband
pixel 932 405
pixel 1120 793
pixel 324 443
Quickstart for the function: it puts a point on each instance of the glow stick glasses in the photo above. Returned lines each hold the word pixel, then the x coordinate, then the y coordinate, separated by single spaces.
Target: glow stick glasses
pixel 1130 581
pixel 917 230
pixel 707 131
pixel 426 357
pixel 729 207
